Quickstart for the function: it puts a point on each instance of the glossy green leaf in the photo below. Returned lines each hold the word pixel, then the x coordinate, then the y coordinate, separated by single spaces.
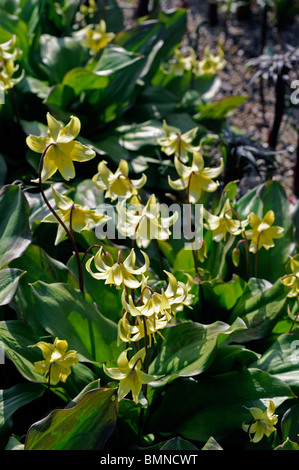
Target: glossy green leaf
pixel 72 315
pixel 211 444
pixel 59 55
pixel 39 266
pixel 86 426
pixel 220 109
pixel 189 349
pixel 260 311
pixel 290 424
pixel 14 226
pixel 282 360
pixel 223 294
pixel 15 397
pixel 178 444
pixel 9 281
pixel 17 337
pixel 14 444
pixel 213 405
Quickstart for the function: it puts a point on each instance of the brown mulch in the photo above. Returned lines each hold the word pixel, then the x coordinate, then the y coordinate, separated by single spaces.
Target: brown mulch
pixel 242 41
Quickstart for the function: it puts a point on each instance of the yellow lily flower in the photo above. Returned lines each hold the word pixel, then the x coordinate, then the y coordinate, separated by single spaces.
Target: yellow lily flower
pixel 151 303
pixel 222 224
pixel 263 422
pixel 82 218
pixel 129 373
pixel 292 280
pixel 196 177
pixel 210 64
pixel 96 39
pixel 128 332
pixel 178 293
pixel 175 143
pixel 262 231
pixel 117 184
pixel 120 273
pixel 57 361
pixel 62 150
pixel 89 10
pixel 143 223
pixel 6 75
pixel 181 61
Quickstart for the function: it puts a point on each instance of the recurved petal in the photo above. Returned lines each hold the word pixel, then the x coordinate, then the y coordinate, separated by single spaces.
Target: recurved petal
pixel 212 221
pixel 70 131
pixel 114 373
pixel 36 143
pixel 93 274
pixel 197 162
pixel 183 170
pixel 139 183
pixel 178 184
pixel 54 127
pixel 80 152
pixel 46 348
pixel 214 172
pixel 122 361
pixel 269 218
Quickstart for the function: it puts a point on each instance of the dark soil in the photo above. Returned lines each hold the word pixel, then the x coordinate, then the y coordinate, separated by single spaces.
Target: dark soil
pixel 241 41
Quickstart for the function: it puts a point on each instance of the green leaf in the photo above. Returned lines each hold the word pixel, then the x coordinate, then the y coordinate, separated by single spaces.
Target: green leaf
pixel 211 444
pixel 72 315
pixel 11 24
pixel 39 266
pixel 223 294
pixel 290 424
pixel 189 349
pixel 16 397
pixel 9 281
pixel 14 444
pixel 232 357
pixel 60 55
pixel 260 311
pixel 288 445
pixel 14 226
pixel 86 426
pixel 220 109
pixel 17 337
pixel 215 405
pixel 281 360
pixel 178 444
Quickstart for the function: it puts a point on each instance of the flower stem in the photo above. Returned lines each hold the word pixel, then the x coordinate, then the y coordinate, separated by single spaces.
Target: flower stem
pixel 194 249
pixel 293 323
pixel 49 384
pixel 68 232
pixel 256 255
